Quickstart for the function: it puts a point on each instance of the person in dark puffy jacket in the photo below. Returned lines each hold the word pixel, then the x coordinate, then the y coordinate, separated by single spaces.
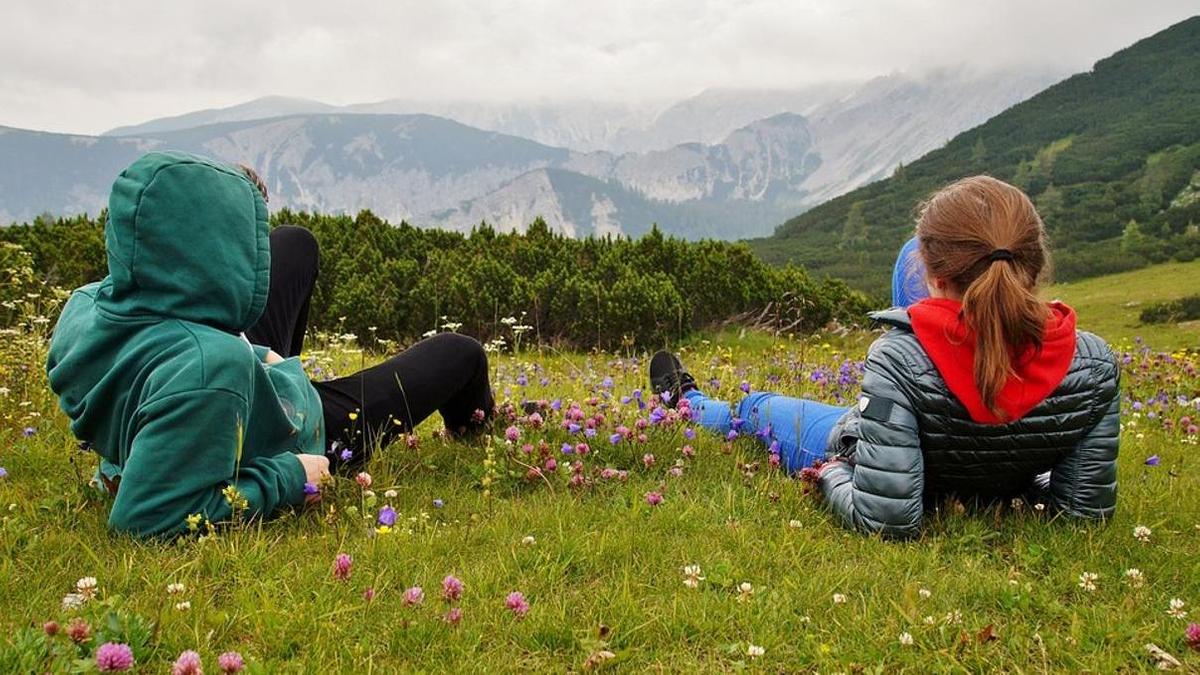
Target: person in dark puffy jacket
pixel 981 389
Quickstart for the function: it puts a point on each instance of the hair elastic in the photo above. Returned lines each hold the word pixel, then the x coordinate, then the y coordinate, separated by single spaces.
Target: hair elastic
pixel 1000 254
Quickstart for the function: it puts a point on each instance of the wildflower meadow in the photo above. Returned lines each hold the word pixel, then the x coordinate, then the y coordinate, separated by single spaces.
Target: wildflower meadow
pixel 595 528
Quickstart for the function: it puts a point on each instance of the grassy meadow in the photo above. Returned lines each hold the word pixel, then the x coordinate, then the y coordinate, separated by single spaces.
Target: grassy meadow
pixel 780 586
pixel 1110 305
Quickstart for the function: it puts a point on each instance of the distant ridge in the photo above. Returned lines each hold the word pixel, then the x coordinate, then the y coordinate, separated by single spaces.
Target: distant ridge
pixel 746 160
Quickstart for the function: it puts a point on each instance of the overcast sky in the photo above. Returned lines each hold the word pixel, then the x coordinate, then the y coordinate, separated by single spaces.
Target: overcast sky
pixel 87 66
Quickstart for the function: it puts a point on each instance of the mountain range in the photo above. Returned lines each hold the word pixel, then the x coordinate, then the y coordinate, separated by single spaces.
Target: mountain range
pixel 1111 158
pixel 726 163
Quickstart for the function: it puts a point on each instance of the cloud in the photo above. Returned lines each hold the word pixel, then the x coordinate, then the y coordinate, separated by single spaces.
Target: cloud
pixel 87 66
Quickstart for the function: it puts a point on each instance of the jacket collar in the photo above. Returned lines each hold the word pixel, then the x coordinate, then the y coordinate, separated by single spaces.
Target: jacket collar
pixel 896 317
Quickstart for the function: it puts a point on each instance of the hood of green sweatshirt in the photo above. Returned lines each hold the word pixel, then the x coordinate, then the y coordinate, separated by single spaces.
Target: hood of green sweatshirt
pixel 187 238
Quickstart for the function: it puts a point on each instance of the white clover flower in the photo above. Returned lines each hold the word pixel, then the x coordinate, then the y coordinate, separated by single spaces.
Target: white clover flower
pixel 390 494
pixel 795 524
pixel 1039 506
pixel 906 639
pixel 175 588
pixel 429 333
pixel 183 606
pixel 1087 581
pixel 692 576
pixel 72 601
pixel 1141 533
pixel 1135 577
pixel 528 540
pixel 929 620
pixel 925 593
pixel 839 599
pixel 745 591
pixel 953 618
pixel 1175 609
pixel 755 651
pixel 87 587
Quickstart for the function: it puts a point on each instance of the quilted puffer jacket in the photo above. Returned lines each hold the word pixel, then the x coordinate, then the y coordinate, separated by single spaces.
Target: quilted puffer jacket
pixel 910 440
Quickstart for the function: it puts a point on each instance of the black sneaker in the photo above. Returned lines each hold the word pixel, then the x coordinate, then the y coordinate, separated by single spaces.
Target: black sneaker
pixel 667 374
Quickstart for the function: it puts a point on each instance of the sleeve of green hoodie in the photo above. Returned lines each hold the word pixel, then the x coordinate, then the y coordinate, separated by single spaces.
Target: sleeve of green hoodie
pixel 169 475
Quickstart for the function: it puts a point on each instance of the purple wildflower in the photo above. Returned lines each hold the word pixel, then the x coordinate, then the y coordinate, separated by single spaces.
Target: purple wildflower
pixel 452 588
pixel 387 516
pixel 28 431
pixel 573 428
pixel 732 435
pixel 517 604
pixel 607 383
pixel 615 438
pixel 342 567
pixel 567 448
pixel 745 387
pixel 512 434
pixel 414 596
pixel 347 455
pixel 654 498
pixel 3 472
pixel 590 432
pixel 453 616
pixel 666 396
pixel 114 657
pixel 438 503
pixel 230 663
pixel 689 433
pixel 522 380
pixel 311 489
pixel 1191 635
pixel 1153 460
pixel 188 663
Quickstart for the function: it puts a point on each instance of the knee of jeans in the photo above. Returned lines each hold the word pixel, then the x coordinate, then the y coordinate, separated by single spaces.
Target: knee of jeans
pixel 462 346
pixel 298 241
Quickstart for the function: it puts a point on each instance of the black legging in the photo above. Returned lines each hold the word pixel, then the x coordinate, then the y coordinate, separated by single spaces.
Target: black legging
pixel 447 372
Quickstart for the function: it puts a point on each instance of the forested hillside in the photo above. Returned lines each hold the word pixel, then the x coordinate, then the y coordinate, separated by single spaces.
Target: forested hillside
pixel 1111 157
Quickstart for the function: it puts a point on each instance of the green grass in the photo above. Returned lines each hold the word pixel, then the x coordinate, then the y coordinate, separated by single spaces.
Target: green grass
pixel 605 572
pixel 1109 306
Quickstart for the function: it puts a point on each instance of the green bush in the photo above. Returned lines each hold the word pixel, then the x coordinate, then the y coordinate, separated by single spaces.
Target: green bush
pixel 1172 311
pixel 397 282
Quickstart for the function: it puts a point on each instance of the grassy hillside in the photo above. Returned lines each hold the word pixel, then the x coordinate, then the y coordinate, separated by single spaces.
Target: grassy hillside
pixel 1111 156
pixel 1110 305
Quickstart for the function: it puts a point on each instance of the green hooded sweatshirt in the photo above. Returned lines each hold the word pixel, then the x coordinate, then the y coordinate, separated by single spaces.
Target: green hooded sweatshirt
pixel 150 365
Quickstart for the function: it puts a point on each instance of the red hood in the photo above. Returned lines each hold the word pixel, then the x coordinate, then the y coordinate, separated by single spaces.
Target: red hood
pixel 940 329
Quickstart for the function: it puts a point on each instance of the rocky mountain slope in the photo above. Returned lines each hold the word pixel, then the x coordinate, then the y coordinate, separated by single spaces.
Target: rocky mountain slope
pixel 726 163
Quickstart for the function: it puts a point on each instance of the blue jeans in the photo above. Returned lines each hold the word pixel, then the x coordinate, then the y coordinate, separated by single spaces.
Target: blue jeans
pixel 798 429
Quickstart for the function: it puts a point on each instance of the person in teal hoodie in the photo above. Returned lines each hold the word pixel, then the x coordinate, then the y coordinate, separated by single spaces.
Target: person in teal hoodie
pixel 191 420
